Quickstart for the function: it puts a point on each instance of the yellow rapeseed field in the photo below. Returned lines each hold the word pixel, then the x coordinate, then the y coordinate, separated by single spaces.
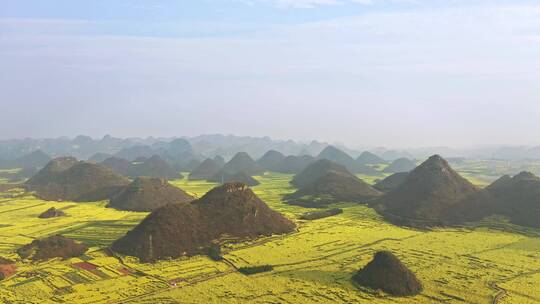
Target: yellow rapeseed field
pixel 491 261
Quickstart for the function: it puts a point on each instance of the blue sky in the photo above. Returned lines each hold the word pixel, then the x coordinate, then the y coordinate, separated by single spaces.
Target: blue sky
pixel 398 73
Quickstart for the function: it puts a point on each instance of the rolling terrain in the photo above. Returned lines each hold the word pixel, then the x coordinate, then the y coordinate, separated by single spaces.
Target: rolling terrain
pixel 489 262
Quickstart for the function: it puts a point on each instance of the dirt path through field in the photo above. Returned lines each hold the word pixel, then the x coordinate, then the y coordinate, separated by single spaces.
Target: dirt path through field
pixel 503 292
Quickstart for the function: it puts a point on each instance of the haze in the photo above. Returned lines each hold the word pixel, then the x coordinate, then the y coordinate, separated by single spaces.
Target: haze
pixel 364 72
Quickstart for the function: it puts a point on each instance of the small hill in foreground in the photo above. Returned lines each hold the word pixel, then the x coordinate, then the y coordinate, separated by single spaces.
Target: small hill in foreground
pixel 517 198
pixel 55 246
pixel 242 162
pixel 428 193
pixel 20 175
pixel 35 159
pixel 332 187
pixel 188 229
pixel 391 182
pixel 118 165
pixel 99 157
pixel 220 161
pixel 154 166
pixel 368 158
pixel 147 194
pixel 68 179
pixel 239 177
pixel 53 168
pixel 334 154
pixel 206 170
pixel 191 165
pixel 315 171
pixel 270 160
pixel 51 212
pixel 387 273
pixel 400 165
pixel 134 152
pixel 294 164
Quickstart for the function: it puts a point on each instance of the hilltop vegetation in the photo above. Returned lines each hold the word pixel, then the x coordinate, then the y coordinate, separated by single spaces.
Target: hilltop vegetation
pixel 294 164
pixel 428 193
pixel 391 182
pixel 68 179
pixel 188 229
pixel 146 194
pixel 35 159
pixel 517 198
pixel 315 171
pixel 336 155
pixel 55 246
pixel 386 272
pixel 242 162
pixel 206 170
pixel 333 187
pixel 368 158
pixel 271 160
pixel 239 177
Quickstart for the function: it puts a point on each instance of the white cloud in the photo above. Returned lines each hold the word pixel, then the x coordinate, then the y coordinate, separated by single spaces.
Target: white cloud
pixel 307 3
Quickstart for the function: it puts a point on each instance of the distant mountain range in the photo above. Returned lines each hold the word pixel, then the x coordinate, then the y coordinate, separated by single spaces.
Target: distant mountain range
pixel 204 146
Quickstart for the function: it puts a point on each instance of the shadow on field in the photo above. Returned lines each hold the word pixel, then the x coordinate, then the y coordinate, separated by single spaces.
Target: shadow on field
pixel 333 279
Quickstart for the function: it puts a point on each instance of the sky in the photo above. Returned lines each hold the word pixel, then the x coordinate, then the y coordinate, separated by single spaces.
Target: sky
pixel 395 73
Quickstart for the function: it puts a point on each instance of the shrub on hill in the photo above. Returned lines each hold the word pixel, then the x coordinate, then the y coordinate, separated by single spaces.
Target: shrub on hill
pixel 55 246
pixel 386 272
pixel 51 212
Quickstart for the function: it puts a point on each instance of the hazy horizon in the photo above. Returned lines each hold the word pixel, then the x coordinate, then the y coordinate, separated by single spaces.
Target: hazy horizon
pixel 364 73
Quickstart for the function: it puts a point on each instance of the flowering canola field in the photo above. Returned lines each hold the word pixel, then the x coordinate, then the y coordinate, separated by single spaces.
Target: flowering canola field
pixel 492 262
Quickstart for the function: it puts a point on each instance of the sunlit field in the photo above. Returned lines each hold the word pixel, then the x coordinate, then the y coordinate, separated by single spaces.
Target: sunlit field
pixel 491 261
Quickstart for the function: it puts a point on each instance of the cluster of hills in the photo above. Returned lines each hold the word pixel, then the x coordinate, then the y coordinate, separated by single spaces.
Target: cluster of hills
pixel 178 151
pixel 136 179
pixel 180 225
pixel 67 178
pixel 147 194
pixel 325 182
pixel 168 160
pixel 435 194
pixel 154 166
pixel 431 193
pixel 85 147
